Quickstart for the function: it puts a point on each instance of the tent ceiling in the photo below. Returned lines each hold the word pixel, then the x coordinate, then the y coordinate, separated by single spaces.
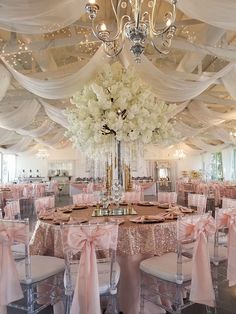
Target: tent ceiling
pixel 199 50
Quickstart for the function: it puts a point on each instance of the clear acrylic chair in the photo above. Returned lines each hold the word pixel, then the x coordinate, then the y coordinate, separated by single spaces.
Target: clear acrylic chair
pixel 174 281
pixel 198 201
pixel 32 283
pixel 222 251
pixel 167 197
pixel 91 268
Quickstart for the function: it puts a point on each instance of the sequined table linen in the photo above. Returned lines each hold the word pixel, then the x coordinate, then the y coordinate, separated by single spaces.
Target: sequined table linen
pixel 134 238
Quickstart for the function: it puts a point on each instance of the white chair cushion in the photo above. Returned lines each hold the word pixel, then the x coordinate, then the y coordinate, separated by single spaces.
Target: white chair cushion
pixel 42 267
pixel 103 275
pixel 165 267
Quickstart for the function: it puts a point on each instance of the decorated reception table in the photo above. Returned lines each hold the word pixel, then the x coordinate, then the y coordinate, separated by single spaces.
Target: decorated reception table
pixel 136 241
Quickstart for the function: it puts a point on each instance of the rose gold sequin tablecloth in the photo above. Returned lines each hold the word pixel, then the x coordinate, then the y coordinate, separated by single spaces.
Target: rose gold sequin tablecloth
pixel 134 238
pixel 135 243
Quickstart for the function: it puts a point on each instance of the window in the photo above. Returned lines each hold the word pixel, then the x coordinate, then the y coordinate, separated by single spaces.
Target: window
pixel 234 166
pixel 8 168
pixel 216 166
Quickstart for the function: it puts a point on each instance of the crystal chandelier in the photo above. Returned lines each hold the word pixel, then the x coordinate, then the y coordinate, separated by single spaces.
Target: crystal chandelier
pixel 42 153
pixel 134 20
pixel 233 134
pixel 179 154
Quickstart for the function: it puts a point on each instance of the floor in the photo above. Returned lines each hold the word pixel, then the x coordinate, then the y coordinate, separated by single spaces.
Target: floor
pixel 226 300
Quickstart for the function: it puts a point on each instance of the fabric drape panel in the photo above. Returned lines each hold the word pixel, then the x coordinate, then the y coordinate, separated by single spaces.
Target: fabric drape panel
pixel 220 134
pixel 228 160
pixel 172 86
pixel 21 146
pixel 219 13
pixel 38 17
pixel 7 137
pixel 21 117
pixel 5 79
pixel 62 87
pixel 55 114
pixel 204 146
pixel 184 129
pixel 42 130
pixel 52 141
pixel 225 53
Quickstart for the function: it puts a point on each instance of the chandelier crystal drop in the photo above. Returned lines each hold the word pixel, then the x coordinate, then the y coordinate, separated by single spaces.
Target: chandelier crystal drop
pixel 42 154
pixel 233 134
pixel 179 154
pixel 136 21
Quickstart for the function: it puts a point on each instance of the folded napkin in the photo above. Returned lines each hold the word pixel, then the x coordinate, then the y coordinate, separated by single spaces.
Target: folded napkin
pixel 59 216
pixel 172 214
pixel 46 214
pixel 147 218
pixel 119 221
pixel 186 209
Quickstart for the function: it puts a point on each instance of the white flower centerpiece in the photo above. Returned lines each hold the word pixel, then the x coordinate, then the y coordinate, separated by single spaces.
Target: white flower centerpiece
pixel 117 106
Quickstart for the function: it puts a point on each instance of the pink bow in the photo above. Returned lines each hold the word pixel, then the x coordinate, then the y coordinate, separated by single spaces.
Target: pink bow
pixel 10 289
pixel 86 294
pixel 228 219
pixel 201 284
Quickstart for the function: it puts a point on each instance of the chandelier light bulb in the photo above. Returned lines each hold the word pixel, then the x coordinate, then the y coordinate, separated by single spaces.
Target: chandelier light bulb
pixel 103 27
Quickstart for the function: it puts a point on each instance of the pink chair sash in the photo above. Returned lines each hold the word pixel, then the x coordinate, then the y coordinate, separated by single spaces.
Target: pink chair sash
pixel 86 294
pixel 228 219
pixel 201 285
pixel 10 289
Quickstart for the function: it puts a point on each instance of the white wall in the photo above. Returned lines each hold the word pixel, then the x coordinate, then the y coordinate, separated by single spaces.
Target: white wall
pixel 29 161
pixel 189 163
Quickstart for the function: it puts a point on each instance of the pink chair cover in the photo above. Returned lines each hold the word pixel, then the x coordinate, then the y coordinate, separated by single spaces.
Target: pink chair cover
pixel 201 285
pixel 12 209
pixel 84 239
pixel 167 197
pixel 228 219
pixel 44 203
pixel 10 289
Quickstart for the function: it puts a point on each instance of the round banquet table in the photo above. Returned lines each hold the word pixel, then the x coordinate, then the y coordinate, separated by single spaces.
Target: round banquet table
pixel 136 241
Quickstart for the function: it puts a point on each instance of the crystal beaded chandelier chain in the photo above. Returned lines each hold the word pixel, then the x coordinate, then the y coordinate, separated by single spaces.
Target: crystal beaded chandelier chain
pixel 135 20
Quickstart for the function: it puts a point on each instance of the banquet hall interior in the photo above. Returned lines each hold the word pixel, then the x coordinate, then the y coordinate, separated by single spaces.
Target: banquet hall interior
pixel 117 151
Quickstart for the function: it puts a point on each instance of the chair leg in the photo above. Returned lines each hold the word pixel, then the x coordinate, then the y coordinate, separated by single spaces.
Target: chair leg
pixel 112 307
pixel 59 308
pixel 30 301
pixel 142 294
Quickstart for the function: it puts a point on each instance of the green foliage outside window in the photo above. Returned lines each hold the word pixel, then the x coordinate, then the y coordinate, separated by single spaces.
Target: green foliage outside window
pixel 216 166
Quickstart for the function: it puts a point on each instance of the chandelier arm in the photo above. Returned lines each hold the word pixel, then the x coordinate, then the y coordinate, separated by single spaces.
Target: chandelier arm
pixel 116 53
pixel 104 35
pixel 163 52
pixel 171 20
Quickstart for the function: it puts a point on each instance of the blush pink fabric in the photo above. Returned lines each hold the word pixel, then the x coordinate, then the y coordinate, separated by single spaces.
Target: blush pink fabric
pixel 10 289
pixel 201 284
pixel 86 239
pixel 167 197
pixel 43 203
pixel 12 209
pixel 227 218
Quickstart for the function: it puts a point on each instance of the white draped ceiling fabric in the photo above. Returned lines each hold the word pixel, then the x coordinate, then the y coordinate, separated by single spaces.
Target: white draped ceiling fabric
pixel 39 17
pixel 188 90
